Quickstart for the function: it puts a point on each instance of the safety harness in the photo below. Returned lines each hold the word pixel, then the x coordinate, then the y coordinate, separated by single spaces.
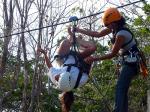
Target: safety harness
pixel 80 64
pixel 115 33
pixel 132 52
pixel 135 55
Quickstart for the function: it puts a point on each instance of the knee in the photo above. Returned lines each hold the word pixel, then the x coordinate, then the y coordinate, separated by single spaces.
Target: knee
pixel 65 43
pixel 64 47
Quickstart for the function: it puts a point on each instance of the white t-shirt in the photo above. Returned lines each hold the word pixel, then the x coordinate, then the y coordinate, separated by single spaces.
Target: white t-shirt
pixel 53 71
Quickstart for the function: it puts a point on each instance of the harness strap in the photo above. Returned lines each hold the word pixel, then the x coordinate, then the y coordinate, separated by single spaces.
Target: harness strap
pixel 78 79
pixel 79 75
pixel 68 68
pixel 133 50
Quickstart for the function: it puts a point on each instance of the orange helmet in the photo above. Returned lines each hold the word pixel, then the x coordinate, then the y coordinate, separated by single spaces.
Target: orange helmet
pixel 111 15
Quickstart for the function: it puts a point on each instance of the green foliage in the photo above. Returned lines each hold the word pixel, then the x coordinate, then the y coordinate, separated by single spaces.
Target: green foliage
pixel 146 49
pixel 49 102
pixel 142 31
pixel 138 21
pixel 98 94
pixel 101 49
pixel 147 9
pixel 148 19
pixel 139 89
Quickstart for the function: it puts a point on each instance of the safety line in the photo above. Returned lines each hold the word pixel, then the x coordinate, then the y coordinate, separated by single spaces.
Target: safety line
pixel 69 21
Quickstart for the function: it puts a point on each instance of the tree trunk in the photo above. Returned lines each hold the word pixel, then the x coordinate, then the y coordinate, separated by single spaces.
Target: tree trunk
pixel 8 22
pixel 26 74
pixel 5 52
pixel 17 66
pixel 23 11
pixel 34 92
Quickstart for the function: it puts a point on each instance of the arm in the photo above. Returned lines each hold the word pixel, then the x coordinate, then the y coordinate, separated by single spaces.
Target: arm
pixel 102 33
pixel 48 63
pixel 117 46
pixel 70 35
pixel 79 40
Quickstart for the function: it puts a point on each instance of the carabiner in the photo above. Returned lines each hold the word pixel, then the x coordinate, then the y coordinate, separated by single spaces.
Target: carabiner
pixel 74 20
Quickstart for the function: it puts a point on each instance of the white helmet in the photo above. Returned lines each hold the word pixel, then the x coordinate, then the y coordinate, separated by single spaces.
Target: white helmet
pixel 66 82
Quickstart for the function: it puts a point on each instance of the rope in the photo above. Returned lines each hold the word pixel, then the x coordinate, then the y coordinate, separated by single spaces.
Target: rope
pixel 69 21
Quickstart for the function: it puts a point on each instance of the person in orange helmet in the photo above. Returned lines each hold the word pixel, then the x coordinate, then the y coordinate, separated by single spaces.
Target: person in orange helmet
pixel 125 46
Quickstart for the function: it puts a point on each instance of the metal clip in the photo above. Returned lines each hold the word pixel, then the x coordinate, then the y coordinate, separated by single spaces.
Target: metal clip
pixel 74 20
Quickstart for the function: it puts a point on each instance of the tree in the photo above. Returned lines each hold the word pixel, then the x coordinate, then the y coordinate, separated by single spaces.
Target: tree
pixel 8 24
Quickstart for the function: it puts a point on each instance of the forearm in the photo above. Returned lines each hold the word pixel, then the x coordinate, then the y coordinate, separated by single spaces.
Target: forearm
pixel 48 63
pixel 102 33
pixel 88 32
pixel 106 56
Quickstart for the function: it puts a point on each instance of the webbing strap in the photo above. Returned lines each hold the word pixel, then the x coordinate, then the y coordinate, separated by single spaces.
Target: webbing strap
pixel 78 79
pixel 68 68
pixel 79 75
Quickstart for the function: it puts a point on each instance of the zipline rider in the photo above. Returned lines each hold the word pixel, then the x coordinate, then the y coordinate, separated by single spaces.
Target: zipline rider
pixel 73 70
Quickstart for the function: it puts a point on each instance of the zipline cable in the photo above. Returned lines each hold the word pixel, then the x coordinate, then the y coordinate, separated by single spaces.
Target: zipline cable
pixel 69 21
